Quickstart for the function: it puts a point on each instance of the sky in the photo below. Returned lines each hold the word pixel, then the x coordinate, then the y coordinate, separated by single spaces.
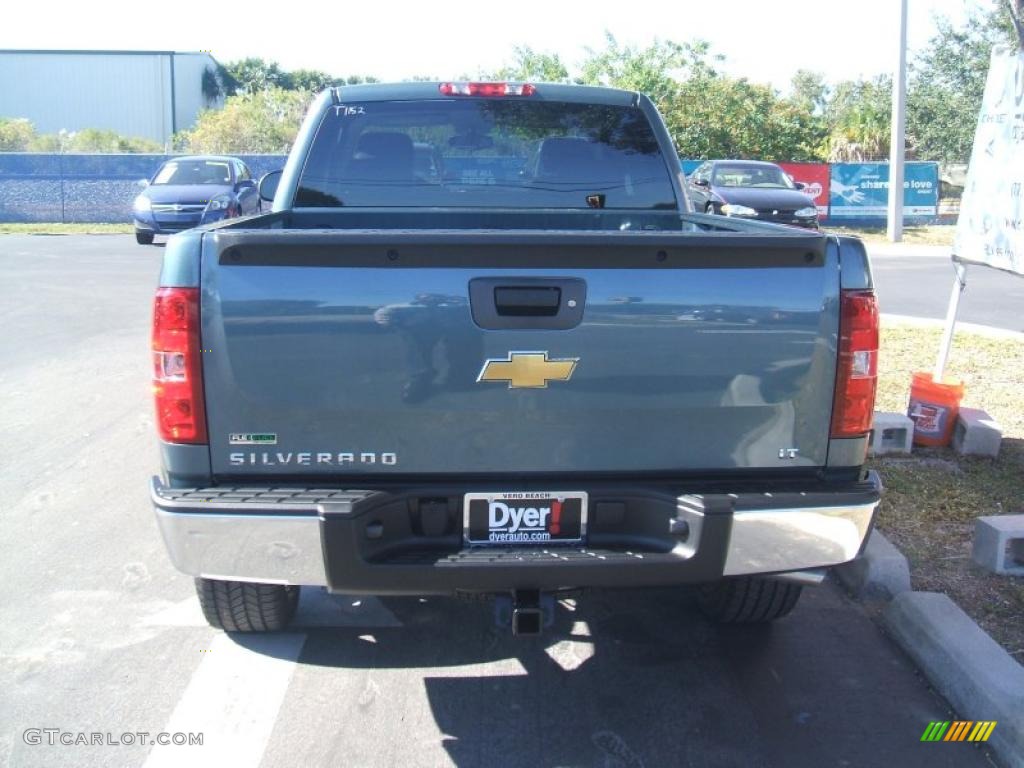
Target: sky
pixel 763 41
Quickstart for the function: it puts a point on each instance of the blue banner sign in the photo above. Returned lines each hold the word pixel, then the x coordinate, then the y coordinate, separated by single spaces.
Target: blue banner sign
pixel 861 191
pixel 689 166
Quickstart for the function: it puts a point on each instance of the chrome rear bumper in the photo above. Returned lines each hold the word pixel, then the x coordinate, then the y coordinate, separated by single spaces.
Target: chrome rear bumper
pixel 775 540
pixel 303 536
pixel 273 549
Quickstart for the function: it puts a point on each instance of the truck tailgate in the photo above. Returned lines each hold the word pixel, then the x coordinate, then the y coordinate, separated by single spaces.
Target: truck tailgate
pixel 367 352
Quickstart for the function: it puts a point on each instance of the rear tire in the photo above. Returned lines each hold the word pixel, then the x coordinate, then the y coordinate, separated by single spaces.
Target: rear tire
pixel 237 606
pixel 748 600
pixel 144 238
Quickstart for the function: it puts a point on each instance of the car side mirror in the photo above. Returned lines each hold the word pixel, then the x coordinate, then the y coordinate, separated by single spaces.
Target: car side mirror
pixel 800 185
pixel 268 185
pixel 701 183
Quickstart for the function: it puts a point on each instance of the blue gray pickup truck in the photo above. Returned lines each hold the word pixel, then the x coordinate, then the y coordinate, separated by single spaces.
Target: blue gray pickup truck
pixel 482 346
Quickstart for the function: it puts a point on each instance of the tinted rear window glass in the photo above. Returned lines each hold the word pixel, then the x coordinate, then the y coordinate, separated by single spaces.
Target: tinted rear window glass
pixel 501 153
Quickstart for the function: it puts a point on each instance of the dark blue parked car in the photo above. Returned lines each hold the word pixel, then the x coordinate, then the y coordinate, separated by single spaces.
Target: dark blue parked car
pixel 188 191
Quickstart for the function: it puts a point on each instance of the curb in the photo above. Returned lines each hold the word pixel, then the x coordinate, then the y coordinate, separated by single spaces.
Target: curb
pixel 880 573
pixel 988 331
pixel 969 668
pixel 884 250
pixel 964 664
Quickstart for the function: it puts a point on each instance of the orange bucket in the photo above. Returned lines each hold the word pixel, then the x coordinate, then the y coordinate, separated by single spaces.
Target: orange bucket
pixel 934 407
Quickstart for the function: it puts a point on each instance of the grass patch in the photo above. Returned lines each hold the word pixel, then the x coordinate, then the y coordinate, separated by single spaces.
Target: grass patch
pixel 990 367
pixel 932 498
pixel 928 234
pixel 54 228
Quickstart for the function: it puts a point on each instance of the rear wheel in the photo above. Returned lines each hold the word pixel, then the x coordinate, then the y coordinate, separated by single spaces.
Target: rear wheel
pixel 144 238
pixel 237 606
pixel 748 599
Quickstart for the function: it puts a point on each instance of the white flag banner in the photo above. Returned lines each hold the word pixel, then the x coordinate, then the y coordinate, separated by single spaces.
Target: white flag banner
pixel 990 229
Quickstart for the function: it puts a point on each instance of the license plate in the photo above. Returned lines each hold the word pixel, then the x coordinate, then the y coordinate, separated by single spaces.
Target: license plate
pixel 525 517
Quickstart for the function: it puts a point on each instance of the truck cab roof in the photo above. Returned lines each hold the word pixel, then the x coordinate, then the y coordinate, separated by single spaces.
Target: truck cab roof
pixel 585 94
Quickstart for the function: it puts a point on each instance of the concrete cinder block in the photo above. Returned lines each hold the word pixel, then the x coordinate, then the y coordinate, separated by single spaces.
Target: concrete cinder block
pixel 999 544
pixel 880 572
pixel 892 433
pixel 976 433
pixel 975 674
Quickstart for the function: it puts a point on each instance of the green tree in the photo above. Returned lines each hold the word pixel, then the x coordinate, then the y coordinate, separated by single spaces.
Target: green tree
pixel 947 83
pixel 859 117
pixel 218 83
pixel 656 70
pixel 809 91
pixel 716 116
pixel 264 121
pixel 359 79
pixel 50 142
pixel 707 114
pixel 16 134
pixel 957 57
pixel 809 95
pixel 254 74
pixel 98 140
pixel 309 80
pixel 529 65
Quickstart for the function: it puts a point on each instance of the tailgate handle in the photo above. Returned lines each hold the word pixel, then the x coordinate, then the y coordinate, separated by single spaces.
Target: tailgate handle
pixel 527 301
pixel 511 302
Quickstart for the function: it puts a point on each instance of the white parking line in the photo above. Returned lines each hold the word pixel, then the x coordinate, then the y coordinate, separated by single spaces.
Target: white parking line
pixel 233 700
pixel 317 608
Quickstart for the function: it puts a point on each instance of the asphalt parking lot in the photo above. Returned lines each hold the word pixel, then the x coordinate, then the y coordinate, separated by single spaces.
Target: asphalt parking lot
pixel 916 281
pixel 100 634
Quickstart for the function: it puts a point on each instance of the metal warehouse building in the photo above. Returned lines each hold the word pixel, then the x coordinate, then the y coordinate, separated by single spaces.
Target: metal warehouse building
pixel 150 94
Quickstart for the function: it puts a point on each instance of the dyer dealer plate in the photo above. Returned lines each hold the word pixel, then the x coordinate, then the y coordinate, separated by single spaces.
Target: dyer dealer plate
pixel 525 517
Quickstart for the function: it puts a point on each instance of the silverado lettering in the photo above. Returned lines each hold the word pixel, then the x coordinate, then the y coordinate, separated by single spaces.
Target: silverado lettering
pixel 308 459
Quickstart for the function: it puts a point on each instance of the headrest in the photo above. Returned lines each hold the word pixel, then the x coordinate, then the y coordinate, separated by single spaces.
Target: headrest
pixel 378 145
pixel 386 156
pixel 567 158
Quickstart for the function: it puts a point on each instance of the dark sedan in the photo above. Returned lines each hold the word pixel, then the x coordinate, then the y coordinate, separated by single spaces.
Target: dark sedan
pixel 188 191
pixel 750 189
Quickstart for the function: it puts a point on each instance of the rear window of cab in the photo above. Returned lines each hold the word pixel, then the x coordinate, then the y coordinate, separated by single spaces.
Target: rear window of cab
pixel 503 153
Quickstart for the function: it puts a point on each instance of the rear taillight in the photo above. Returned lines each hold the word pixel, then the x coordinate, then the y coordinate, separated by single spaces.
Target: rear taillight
pixel 857 375
pixel 177 369
pixel 487 89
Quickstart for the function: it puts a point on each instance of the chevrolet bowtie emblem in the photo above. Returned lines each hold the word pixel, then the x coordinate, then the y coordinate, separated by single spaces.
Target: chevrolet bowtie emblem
pixel 526 370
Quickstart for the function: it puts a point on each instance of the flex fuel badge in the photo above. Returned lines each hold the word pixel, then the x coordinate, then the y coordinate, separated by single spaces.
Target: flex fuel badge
pixel 252 438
